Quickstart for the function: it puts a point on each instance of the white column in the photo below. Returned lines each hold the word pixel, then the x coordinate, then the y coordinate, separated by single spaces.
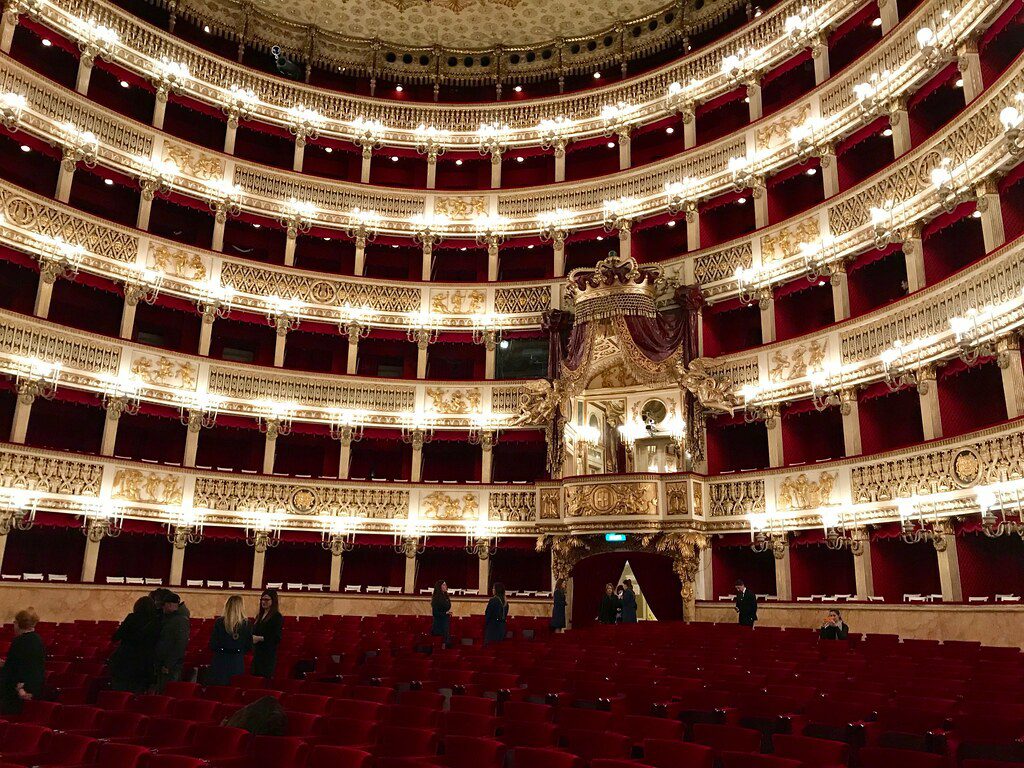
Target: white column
pixel 558 247
pixel 490 353
pixel 289 247
pixel 991 216
pixel 703 585
pixel 969 64
pixel 160 108
pixel 625 148
pixel 1012 372
pixel 128 316
pixel 409 586
pixel 913 254
pixel 206 333
pixel 428 260
pixel 840 294
pixel 145 211
pixel 22 411
pixel 259 560
pixel 84 74
pixel 560 161
pixel 819 53
pixel 8 23
pixel 44 291
pixel 889 13
pixel 269 450
pixel 219 224
pixel 783 576
pixel 191 445
pixel 899 121
pixel 689 132
pixel 89 561
pixel 766 305
pixel 230 135
pixel 693 229
pixel 492 259
pixel 495 170
pixel 484 575
pixel 486 458
pixel 337 560
pixel 949 566
pixel 280 340
pixel 364 168
pixel 928 396
pixel 760 194
pixel 298 156
pixel 625 248
pixel 344 459
pixel 110 423
pixel 862 570
pixel 773 425
pixel 829 173
pixel 352 362
pixel 417 461
pixel 850 410
pixel 177 565
pixel 65 177
pixel 360 265
pixel 432 170
pixel 754 101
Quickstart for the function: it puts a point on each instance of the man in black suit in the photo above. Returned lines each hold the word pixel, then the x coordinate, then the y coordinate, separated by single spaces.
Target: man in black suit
pixel 746 604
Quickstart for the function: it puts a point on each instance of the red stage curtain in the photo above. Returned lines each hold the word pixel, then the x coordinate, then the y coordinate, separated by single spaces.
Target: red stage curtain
pixel 659 584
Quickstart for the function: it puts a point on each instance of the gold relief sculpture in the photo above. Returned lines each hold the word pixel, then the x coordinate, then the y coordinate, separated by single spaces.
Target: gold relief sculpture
pixel 461 208
pixel 611 499
pixel 163 372
pixel 550 503
pixel 458 302
pixel 147 487
pixel 675 493
pixel 304 501
pixel 802 493
pixel 785 243
pixel 713 392
pixel 777 133
pixel 177 263
pixel 539 402
pixel 50 475
pixel 456 401
pixel 684 547
pixel 193 162
pixel 511 506
pixel 698 500
pixel 798 362
pixel 445 506
pixel 966 467
pixel 735 498
pixel 566 551
pixel 230 495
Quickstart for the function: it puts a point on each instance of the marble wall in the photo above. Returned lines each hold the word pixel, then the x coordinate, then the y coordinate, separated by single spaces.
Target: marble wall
pixel 61 603
pixel 991 624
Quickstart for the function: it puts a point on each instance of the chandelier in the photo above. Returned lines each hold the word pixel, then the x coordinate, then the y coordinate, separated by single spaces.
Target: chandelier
pixel 346 426
pixel 201 412
pixel 492 138
pixel 298 217
pixel 916 527
pixel 225 199
pixel 283 314
pixel 18 512
pixel 838 534
pixel 417 431
pixel 552 133
pixel 411 539
pixel 156 177
pixel 304 124
pixel 36 378
pixel 12 105
pixel 430 141
pixel 263 530
pixel 169 76
pixel 368 135
pixel 145 287
pixel 482 540
pixel 883 227
pixel 60 258
pixel 482 431
pixel 239 104
pixel 631 431
pixel 951 193
pixel 749 289
pixel 679 98
pixel 618 214
pixel 186 528
pixel 554 225
pixel 214 301
pixel 353 322
pixel 767 535
pixel 275 417
pixel 487 331
pixel 1001 510
pixel 363 225
pixel 828 391
pixel 423 329
pixel 900 362
pixel 809 140
pixel 99 522
pixel 121 397
pixel 1013 127
pixel 338 535
pixel 680 197
pixel 974 334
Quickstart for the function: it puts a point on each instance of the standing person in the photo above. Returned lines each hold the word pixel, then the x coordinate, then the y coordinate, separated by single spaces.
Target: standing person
pixel 628 603
pixel 441 607
pixel 21 677
pixel 266 635
pixel 833 627
pixel 495 615
pixel 558 606
pixel 609 608
pixel 230 640
pixel 172 642
pixel 131 664
pixel 746 604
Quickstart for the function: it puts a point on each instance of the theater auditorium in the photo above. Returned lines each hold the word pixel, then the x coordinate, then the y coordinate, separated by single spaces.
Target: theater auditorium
pixel 511 384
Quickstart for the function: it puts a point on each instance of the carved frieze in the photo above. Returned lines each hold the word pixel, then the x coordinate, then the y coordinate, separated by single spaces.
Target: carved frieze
pixel 147 487
pixel 193 162
pixel 550 503
pixel 231 495
pixel 469 301
pixel 162 371
pixel 453 401
pixel 785 243
pixel 777 132
pixel 800 492
pixel 48 474
pixel 450 506
pixel 460 208
pixel 733 498
pixel 511 506
pixel 797 362
pixel 611 499
pixel 176 262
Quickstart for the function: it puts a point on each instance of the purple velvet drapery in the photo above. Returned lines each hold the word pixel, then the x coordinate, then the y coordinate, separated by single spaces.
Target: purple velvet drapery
pixel 658 337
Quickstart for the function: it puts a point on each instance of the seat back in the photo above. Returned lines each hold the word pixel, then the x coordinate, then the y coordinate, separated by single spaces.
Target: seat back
pixel 325 756
pixel 669 753
pixel 730 738
pixel 811 752
pixel 472 752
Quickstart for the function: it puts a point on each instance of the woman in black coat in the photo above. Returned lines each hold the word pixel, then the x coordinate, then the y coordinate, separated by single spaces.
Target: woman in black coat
pixel 441 609
pixel 21 677
pixel 628 603
pixel 230 640
pixel 131 664
pixel 608 611
pixel 495 616
pixel 558 605
pixel 266 635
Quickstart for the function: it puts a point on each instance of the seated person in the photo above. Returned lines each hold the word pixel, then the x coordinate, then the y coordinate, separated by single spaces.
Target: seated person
pixel 833 627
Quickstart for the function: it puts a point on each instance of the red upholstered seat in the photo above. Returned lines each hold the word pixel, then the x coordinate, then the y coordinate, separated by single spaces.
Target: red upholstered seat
pixel 113 755
pixel 324 756
pixel 171 761
pixel 304 702
pixel 59 749
pixel 732 738
pixel 668 753
pixel 640 727
pixel 395 741
pixel 813 753
pixel 215 742
pixel 579 719
pixel 747 760
pixel 465 724
pixel 471 752
pixel 517 734
pixel 527 712
pixel 884 757
pixel 593 744
pixel 534 757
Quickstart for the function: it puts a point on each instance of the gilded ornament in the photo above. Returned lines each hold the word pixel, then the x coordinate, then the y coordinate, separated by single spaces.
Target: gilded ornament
pixel 966 467
pixel 454 401
pixel 304 501
pixel 777 133
pixel 714 392
pixel 177 263
pixel 460 208
pixel 458 302
pixel 147 487
pixel 162 371
pixel 798 362
pixel 550 503
pixel 445 506
pixel 785 243
pixel 802 493
pixel 611 499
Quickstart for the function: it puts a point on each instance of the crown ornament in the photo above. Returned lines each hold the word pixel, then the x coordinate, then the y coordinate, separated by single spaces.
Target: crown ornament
pixel 614 287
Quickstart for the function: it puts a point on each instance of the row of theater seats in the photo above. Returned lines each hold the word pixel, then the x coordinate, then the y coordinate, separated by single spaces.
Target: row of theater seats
pixel 663 695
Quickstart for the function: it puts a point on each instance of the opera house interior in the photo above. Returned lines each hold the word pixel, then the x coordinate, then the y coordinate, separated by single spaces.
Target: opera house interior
pixel 512 384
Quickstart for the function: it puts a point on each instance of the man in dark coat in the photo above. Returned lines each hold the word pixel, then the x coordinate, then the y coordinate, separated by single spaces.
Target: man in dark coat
pixel 609 608
pixel 628 603
pixel 169 655
pixel 746 605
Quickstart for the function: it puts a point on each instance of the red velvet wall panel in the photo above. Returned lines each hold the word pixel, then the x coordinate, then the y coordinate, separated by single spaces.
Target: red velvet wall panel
pixel 730 327
pixel 298 562
pixel 307 454
pixel 181 223
pixel 231 448
pixel 990 566
pixel 65 426
pixel 141 555
pixel 36 170
pixel 890 421
pixel 85 307
pixel 145 436
pixel 43 549
pixel 804 308
pixel 970 398
pixel 8 402
pixel 900 568
pixel 517 565
pixel 451 460
pixel 950 248
pixel 810 436
pixel 263 243
pixel 115 202
pixel 373 566
pixel 381 459
pixel 658 583
pixel 733 445
pixel 17 282
pixel 320 352
pixel 729 563
pixel 817 570
pixel 195 126
pixel 877 283
pixel 519 461
pixel 219 559
pixel 343 162
pixel 1011 198
pixel 459 569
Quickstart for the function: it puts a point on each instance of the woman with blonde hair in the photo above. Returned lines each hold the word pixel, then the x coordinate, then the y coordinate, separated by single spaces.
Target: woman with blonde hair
pixel 230 640
pixel 21 677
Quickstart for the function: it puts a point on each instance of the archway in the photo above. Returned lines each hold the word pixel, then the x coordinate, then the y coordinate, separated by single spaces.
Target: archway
pixel 654 573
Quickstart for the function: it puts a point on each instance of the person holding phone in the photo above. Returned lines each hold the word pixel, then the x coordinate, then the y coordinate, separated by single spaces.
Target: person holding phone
pixel 833 627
